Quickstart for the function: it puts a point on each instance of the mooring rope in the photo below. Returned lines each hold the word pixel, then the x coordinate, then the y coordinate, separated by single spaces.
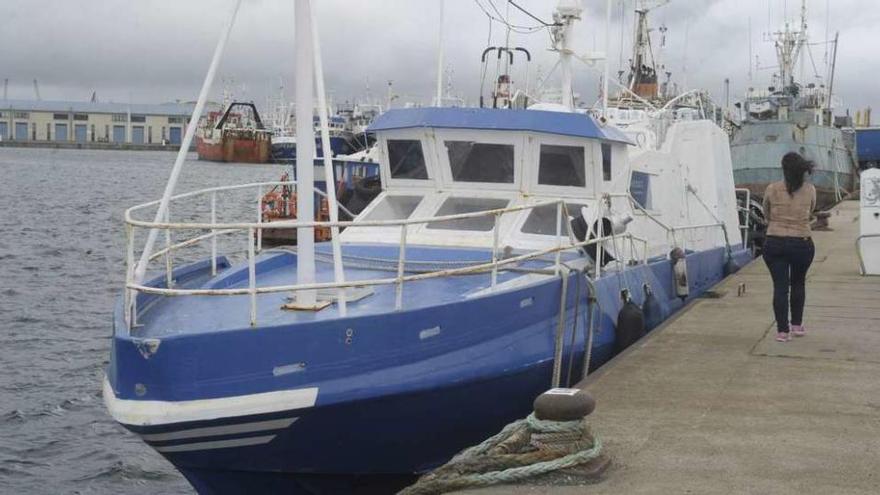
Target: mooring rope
pixel 523 449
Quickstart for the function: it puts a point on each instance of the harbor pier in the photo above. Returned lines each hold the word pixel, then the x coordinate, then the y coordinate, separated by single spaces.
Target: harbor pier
pixel 711 403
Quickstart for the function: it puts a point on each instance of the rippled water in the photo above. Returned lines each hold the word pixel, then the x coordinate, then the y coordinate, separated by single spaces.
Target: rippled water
pixel 61 269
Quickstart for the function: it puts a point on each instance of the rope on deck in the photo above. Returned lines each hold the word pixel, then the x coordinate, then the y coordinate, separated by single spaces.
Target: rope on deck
pixel 523 449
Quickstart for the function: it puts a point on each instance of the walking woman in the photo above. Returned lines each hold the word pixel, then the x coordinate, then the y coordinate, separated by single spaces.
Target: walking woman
pixel 788 247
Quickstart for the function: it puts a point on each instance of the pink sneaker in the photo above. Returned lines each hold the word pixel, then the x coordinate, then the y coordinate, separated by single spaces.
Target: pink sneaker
pixel 798 330
pixel 783 336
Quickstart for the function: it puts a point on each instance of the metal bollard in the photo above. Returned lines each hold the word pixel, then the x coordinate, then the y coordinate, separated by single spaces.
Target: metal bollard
pixel 564 404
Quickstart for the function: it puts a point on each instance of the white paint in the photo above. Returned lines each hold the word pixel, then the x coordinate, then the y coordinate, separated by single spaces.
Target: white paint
pixel 562 391
pixel 218 444
pixel 429 332
pixel 213 431
pixel 305 142
pixel 157 412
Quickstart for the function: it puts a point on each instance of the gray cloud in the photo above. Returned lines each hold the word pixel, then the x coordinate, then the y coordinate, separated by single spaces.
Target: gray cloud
pixel 158 50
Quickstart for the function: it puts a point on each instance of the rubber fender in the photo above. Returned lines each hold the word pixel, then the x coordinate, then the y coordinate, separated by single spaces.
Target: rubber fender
pixel 630 326
pixel 651 309
pixel 731 266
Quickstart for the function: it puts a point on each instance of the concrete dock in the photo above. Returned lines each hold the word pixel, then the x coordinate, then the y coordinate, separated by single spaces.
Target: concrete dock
pixel 710 403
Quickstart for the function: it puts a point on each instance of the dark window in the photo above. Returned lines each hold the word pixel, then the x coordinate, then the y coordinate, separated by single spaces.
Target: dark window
pixel 175 120
pixel 606 161
pixel 406 159
pixel 640 189
pixel 138 118
pixel 480 162
pixel 80 116
pixel 561 166
pixel 60 116
pixel 48 131
pixel 21 115
pixel 456 206
pixel 93 132
pixel 120 117
pixel 106 133
pixel 543 218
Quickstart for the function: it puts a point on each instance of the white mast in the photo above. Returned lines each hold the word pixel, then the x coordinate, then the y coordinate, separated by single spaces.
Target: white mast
pixel 338 274
pixel 439 101
pixel 141 267
pixel 567 11
pixel 305 152
pixel 607 58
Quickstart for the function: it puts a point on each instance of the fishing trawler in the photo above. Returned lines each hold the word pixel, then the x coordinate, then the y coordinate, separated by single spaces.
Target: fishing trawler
pixel 234 136
pixel 492 266
pixel 795 116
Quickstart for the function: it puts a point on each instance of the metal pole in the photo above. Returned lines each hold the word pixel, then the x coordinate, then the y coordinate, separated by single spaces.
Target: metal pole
pixel 439 101
pixel 401 260
pixel 259 218
pixel 213 233
pixel 129 266
pixel 495 250
pixel 168 266
pixel 329 178
pixel 305 152
pixel 187 141
pixel 607 51
pixel 252 277
pixel 558 234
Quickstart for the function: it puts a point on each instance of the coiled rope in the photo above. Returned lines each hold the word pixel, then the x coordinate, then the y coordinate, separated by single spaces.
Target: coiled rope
pixel 523 449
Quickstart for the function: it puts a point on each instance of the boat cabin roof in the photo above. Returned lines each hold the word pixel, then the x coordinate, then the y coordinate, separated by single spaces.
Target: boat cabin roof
pixel 559 123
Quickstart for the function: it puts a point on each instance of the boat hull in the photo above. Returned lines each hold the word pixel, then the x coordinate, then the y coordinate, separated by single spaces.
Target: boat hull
pixel 757 149
pixel 234 149
pixel 295 408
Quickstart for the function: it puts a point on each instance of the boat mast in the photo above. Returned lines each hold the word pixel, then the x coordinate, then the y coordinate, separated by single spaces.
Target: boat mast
pixel 607 58
pixel 161 212
pixel 567 12
pixel 305 152
pixel 439 101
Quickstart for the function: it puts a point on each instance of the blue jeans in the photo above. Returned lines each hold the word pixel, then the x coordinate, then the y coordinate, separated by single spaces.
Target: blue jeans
pixel 788 259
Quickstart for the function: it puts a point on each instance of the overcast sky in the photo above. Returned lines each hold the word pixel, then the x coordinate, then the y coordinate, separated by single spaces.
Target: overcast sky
pixel 158 50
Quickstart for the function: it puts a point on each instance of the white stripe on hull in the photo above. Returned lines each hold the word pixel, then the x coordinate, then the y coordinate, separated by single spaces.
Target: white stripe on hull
pixel 211 431
pixel 158 412
pixel 218 444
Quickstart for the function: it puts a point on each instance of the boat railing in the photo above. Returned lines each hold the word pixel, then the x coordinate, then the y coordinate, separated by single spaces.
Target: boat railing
pixel 564 240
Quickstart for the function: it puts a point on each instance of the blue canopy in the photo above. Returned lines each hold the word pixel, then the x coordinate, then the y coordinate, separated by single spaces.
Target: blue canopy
pixel 560 123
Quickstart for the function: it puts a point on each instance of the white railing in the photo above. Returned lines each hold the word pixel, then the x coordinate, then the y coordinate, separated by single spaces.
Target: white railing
pixel 254 233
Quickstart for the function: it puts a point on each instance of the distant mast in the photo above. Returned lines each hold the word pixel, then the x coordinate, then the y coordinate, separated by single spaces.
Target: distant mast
pixel 789 44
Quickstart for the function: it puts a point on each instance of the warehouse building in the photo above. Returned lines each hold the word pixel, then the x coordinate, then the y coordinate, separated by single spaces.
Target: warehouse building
pixel 93 122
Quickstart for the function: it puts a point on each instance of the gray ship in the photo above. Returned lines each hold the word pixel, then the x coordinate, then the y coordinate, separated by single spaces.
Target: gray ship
pixel 794 117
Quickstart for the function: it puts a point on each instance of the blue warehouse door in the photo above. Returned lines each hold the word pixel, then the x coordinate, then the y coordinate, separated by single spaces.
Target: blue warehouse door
pixel 21 131
pixel 79 133
pixel 174 135
pixel 60 132
pixel 137 134
pixel 4 131
pixel 118 133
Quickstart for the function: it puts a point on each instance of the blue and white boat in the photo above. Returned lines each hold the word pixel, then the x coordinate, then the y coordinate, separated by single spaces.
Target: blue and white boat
pixel 492 265
pixel 342 142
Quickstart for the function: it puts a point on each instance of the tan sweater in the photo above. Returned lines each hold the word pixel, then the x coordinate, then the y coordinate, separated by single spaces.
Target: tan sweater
pixel 789 214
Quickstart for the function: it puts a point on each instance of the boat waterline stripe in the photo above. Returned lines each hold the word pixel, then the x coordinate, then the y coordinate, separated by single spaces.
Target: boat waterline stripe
pixel 213 431
pixel 217 444
pixel 158 412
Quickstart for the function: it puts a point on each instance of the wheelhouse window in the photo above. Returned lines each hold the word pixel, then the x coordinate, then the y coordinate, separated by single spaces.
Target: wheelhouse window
pixel 480 162
pixel 562 166
pixel 606 161
pixel 542 219
pixel 640 189
pixel 395 208
pixel 406 159
pixel 456 206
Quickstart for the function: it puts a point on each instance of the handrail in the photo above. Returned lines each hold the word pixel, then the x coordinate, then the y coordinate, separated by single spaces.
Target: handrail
pixel 215 229
pixel 862 270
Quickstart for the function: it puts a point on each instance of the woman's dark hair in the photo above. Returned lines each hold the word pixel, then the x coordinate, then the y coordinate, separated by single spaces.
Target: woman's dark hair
pixel 794 167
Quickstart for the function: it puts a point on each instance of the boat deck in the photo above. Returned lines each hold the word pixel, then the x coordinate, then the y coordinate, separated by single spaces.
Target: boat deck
pixel 196 314
pixel 710 403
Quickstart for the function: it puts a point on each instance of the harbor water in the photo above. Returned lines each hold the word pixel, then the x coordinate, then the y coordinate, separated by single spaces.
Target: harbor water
pixel 61 271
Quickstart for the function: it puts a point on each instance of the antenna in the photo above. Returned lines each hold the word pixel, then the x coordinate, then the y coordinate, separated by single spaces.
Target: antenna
pixel 37 90
pixel 750 51
pixel 5 87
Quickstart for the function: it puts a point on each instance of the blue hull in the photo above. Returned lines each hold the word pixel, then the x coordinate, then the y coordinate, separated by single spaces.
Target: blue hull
pixel 286 152
pixel 391 399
